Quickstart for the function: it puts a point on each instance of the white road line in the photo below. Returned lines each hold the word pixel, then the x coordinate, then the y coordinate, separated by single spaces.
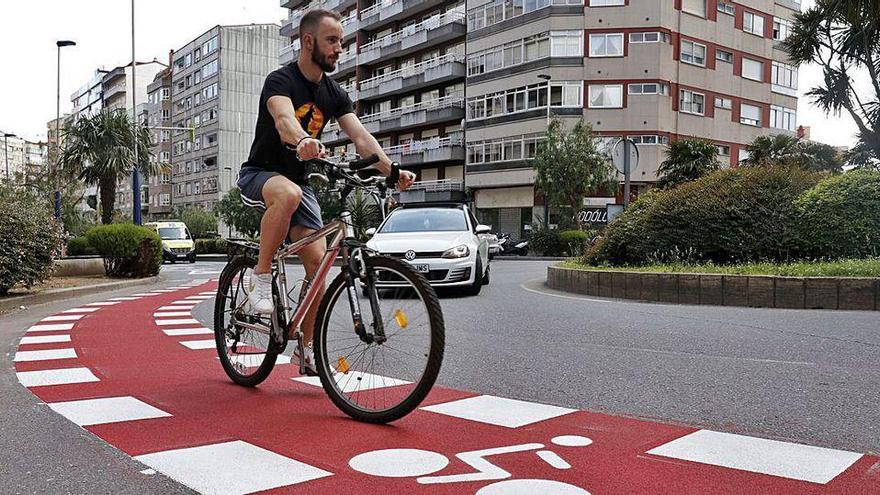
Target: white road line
pixel 181 321
pixel 758 455
pixel 106 410
pixel 183 302
pixel 44 378
pixel 51 327
pixel 45 339
pixel 199 344
pixel 172 314
pixel 354 380
pixel 551 294
pixel 104 303
pixel 176 332
pixel 175 308
pixel 63 318
pixel 197 298
pixel 44 355
pixel 499 411
pixel 127 298
pixel 81 310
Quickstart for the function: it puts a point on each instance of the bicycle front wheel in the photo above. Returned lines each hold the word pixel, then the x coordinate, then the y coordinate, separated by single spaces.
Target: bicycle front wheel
pixel 379 378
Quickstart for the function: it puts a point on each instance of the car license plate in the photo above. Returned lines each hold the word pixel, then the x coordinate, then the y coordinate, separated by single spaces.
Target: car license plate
pixel 422 268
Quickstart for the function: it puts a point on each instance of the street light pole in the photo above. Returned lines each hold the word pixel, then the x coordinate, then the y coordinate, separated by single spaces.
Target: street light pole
pixel 547 78
pixel 57 199
pixel 135 178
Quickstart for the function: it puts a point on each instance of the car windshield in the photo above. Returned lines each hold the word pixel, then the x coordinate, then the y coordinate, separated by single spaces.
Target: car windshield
pixel 173 233
pixel 425 220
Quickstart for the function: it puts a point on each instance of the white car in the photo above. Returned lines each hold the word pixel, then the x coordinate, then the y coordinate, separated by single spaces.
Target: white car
pixel 442 241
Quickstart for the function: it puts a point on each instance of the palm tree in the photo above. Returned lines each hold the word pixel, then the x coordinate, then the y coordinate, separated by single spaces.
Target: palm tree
pixel 789 151
pixel 99 150
pixel 687 160
pixel 843 37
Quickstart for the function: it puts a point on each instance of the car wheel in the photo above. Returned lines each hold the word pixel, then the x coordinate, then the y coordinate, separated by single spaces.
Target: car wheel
pixel 477 285
pixel 486 275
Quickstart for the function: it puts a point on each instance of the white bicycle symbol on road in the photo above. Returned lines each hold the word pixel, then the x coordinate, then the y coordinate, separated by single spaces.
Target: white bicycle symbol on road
pixel 408 463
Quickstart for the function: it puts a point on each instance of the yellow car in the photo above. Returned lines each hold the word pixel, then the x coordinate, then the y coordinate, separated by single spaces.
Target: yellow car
pixel 177 243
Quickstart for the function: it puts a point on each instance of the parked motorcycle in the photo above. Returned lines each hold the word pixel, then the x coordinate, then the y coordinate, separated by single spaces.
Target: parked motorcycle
pixel 511 247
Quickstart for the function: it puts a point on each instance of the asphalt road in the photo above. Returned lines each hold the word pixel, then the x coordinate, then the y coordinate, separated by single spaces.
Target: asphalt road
pixel 803 376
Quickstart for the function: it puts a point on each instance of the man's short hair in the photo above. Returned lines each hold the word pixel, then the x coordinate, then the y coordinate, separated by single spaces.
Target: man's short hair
pixel 313 19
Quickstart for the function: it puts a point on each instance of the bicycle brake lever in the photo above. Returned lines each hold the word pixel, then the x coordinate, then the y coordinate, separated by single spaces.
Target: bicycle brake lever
pixel 321 177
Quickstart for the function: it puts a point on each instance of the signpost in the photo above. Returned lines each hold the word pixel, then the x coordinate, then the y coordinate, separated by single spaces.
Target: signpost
pixel 625 156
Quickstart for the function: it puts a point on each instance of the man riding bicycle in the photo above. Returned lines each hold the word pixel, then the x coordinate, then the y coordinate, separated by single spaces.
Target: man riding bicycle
pixel 296 103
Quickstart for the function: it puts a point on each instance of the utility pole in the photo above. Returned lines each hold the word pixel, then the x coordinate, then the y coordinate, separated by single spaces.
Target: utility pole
pixel 135 178
pixel 547 78
pixel 57 199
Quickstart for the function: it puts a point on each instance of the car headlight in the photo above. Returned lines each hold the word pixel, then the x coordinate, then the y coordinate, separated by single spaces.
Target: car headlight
pixel 457 252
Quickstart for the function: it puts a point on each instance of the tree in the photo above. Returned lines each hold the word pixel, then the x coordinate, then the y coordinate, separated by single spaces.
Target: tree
pixel 198 220
pixel 241 217
pixel 570 165
pixel 789 151
pixel 99 150
pixel 687 160
pixel 364 213
pixel 843 37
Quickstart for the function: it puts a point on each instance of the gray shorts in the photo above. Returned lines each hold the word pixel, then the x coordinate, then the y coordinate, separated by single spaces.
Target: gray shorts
pixel 251 181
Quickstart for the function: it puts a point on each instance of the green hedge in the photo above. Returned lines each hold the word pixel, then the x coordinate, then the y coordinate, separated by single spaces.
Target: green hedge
pixel 128 250
pixel 734 215
pixel 211 246
pixel 29 239
pixel 79 246
pixel 840 217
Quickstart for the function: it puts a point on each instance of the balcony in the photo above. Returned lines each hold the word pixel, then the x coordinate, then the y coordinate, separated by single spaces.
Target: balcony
pixel 352 91
pixel 448 108
pixel 117 90
pixel 331 133
pixel 292 4
pixel 387 11
pixel 434 71
pixel 289 53
pixel 346 64
pixel 432 190
pixel 290 26
pixel 429 151
pixel 434 30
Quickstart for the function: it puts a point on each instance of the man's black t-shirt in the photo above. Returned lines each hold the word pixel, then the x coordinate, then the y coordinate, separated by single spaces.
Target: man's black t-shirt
pixel 315 104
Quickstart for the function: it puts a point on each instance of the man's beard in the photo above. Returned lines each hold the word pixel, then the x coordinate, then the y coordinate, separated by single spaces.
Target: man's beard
pixel 323 61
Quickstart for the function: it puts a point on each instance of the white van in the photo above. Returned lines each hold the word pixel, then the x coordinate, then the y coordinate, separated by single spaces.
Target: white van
pixel 177 243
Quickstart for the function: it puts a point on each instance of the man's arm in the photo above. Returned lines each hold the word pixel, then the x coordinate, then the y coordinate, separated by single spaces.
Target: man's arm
pixel 367 145
pixel 290 130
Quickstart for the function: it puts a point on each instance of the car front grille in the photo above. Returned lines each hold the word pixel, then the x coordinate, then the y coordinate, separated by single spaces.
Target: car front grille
pixel 180 250
pixel 432 276
pixel 422 255
pixel 460 274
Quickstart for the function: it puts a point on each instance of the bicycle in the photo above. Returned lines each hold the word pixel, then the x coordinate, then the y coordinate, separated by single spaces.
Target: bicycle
pixel 354 350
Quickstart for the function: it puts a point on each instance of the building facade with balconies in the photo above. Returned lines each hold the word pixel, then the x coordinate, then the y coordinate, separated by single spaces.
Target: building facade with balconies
pixel 403 63
pixel 216 80
pixel 158 198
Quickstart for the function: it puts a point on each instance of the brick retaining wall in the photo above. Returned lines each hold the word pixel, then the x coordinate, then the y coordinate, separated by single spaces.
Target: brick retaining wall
pixel 722 290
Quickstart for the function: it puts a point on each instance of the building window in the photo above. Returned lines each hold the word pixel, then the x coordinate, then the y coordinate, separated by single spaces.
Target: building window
pixel 726 8
pixel 211 140
pixel 753 23
pixel 651 37
pixel 723 149
pixel 210 69
pixel 650 140
pixel 783 118
pixel 515 148
pixel 785 78
pixel 725 103
pixel 606 3
pixel 566 43
pixel 723 56
pixel 606 45
pixel 693 53
pixel 543 45
pixel 606 96
pixel 501 10
pixel 209 46
pixel 166 94
pixel 750 115
pixel 692 102
pixel 752 69
pixel 209 92
pixel 562 94
pixel 781 28
pixel 164 199
pixel 648 89
pixel 695 7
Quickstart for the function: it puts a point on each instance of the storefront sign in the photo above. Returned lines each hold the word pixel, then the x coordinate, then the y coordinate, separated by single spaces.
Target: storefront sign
pixel 593 216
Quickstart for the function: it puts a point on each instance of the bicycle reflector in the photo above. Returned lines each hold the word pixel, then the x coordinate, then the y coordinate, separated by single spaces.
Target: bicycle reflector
pixel 400 318
pixel 342 365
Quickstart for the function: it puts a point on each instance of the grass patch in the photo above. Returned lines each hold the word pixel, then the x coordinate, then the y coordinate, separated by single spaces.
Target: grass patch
pixel 869 267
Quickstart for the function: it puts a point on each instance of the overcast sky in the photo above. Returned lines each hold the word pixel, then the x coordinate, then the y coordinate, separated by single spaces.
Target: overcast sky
pixel 102 30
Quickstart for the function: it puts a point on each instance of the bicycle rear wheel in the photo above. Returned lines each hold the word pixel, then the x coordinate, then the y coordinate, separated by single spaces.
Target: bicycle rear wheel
pixel 245 354
pixel 380 381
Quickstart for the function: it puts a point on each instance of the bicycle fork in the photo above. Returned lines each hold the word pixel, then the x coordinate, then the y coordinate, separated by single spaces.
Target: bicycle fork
pixel 357 269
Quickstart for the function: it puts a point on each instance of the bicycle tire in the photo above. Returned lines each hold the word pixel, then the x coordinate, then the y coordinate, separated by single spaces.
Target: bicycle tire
pixel 237 266
pixel 437 343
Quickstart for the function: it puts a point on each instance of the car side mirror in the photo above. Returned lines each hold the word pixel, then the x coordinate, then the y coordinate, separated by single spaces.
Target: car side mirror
pixel 371 231
pixel 483 229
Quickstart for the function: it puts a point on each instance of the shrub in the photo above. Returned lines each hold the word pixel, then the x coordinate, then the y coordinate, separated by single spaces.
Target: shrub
pixel 734 215
pixel 128 250
pixel 31 239
pixel 840 216
pixel 211 246
pixel 546 242
pixel 198 220
pixel 574 241
pixel 79 246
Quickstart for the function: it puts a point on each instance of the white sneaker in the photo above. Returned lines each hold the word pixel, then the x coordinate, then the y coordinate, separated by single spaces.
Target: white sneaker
pixel 260 296
pixel 308 361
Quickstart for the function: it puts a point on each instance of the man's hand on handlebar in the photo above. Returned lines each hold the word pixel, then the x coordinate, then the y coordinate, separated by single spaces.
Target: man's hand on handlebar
pixel 406 179
pixel 309 149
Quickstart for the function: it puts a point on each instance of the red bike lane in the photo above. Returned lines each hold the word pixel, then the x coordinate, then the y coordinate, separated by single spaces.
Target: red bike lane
pixel 142 375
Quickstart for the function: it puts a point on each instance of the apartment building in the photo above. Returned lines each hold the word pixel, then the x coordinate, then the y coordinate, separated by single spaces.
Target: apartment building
pixel 22 159
pixel 404 65
pixel 158 109
pixel 216 80
pixel 651 70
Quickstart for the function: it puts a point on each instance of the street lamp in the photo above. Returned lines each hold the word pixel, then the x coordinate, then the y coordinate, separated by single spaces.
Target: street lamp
pixel 135 177
pixel 7 135
pixel 547 78
pixel 60 44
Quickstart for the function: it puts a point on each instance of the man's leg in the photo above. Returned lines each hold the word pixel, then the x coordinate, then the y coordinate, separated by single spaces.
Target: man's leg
pixel 311 257
pixel 282 198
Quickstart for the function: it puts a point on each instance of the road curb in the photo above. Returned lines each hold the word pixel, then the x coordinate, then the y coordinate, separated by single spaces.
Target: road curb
pixel 66 293
pixel 295 261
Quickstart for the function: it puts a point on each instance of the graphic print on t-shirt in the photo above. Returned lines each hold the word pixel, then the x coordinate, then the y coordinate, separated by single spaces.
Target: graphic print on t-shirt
pixel 310 118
